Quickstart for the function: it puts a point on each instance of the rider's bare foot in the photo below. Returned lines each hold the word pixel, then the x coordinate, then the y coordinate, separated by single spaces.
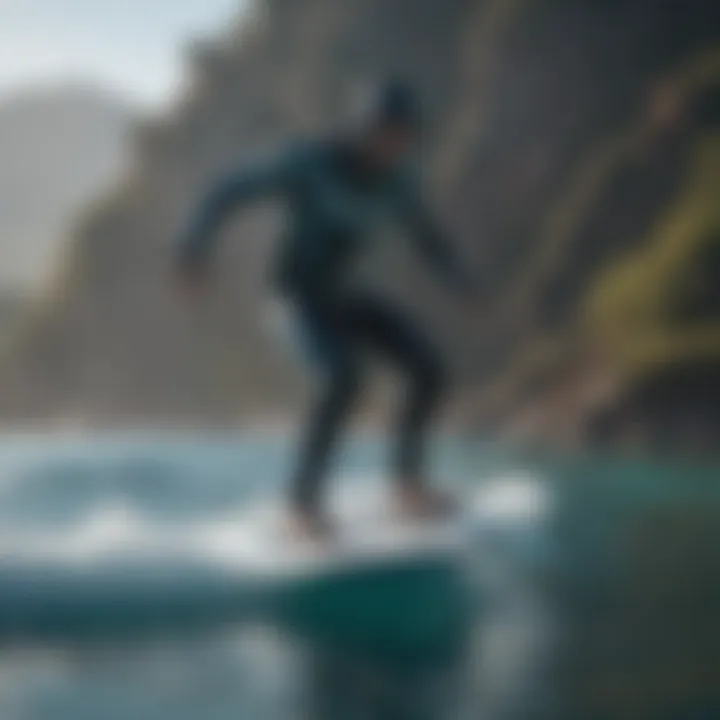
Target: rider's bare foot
pixel 416 499
pixel 309 524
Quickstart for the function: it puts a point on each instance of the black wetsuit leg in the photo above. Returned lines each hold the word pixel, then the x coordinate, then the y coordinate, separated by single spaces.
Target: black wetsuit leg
pixel 335 353
pixel 340 336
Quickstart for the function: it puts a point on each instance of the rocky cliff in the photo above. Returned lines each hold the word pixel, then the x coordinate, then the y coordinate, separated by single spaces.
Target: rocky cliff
pixel 58 145
pixel 571 147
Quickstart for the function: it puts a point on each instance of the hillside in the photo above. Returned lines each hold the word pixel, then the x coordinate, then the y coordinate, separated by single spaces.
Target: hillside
pixel 59 148
pixel 564 146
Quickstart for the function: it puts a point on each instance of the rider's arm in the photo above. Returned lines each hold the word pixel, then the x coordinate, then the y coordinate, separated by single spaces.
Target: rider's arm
pixel 432 242
pixel 238 188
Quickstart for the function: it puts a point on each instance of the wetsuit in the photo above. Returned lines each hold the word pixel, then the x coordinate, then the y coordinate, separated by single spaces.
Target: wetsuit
pixel 335 203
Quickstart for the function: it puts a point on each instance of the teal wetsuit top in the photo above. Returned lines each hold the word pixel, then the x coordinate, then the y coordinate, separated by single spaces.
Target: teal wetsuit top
pixel 335 203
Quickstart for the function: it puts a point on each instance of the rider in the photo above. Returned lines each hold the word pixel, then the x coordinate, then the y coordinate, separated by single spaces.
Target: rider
pixel 339 191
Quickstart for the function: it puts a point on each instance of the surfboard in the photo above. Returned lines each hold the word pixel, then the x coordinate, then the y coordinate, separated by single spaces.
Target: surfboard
pixel 368 529
pixel 369 532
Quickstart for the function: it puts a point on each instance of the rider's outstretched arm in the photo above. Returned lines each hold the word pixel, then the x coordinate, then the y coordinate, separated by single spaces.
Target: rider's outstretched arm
pixel 238 188
pixel 433 244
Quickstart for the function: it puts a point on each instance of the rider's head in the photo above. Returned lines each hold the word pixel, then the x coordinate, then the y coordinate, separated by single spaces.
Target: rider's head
pixel 389 123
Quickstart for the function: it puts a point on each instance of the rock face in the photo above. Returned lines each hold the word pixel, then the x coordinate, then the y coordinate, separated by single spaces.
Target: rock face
pixel 570 145
pixel 58 146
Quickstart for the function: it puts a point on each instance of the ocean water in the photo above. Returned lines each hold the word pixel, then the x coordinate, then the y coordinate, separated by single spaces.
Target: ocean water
pixel 113 605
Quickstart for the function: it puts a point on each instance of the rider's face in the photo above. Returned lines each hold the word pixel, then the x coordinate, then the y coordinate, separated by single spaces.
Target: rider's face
pixel 387 146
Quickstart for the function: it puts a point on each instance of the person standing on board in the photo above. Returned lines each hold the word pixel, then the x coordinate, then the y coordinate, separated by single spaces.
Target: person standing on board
pixel 339 192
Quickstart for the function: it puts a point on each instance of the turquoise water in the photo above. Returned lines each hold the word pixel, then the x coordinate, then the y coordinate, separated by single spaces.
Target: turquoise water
pixel 590 591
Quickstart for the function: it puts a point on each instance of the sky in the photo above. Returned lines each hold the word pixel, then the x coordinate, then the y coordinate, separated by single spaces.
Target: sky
pixel 132 47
